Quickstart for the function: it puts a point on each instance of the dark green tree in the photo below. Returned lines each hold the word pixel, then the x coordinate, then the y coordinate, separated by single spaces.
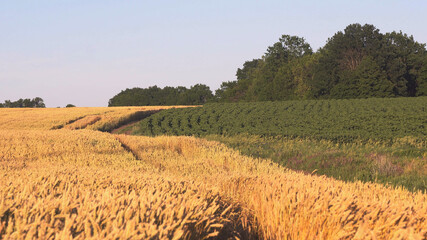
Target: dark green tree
pixel 155 96
pixel 197 95
pixel 264 79
pixel 342 53
pixel 233 91
pixel 227 92
pixel 422 79
pixel 397 55
pixel 402 57
pixel 283 84
pixel 289 47
pixel 367 80
pixel 25 103
pixel 38 103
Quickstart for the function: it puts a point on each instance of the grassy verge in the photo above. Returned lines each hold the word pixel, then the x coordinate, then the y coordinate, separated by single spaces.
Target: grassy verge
pixel 400 163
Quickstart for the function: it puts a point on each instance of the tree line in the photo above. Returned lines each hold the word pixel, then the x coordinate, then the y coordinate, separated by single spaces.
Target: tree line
pixel 155 96
pixel 359 62
pixel 24 103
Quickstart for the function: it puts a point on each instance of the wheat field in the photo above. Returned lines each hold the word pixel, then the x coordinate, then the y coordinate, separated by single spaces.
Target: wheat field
pixel 62 183
pixel 72 118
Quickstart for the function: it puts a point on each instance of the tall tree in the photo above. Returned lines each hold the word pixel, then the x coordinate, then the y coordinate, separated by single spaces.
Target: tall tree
pixel 397 55
pixel 422 79
pixel 38 102
pixel 367 80
pixel 264 79
pixel 227 92
pixel 402 56
pixel 344 52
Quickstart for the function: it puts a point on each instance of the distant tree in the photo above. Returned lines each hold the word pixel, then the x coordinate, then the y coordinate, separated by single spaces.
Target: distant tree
pixel 245 78
pixel 227 92
pixel 7 104
pixel 155 96
pixel 288 47
pixel 246 71
pixel 197 95
pixel 25 103
pixel 19 103
pixel 275 80
pixel 70 105
pixel 38 102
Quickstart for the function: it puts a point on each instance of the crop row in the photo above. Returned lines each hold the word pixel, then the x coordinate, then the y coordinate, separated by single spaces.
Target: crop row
pixel 94 118
pixel 325 119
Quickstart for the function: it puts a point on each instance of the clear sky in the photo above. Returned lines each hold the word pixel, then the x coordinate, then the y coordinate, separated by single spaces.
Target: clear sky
pixel 85 51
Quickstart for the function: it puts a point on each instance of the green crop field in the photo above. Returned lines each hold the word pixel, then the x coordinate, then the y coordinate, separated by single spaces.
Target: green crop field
pixel 338 120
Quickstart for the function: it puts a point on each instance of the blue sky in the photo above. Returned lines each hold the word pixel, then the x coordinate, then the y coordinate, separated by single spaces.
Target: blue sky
pixel 85 52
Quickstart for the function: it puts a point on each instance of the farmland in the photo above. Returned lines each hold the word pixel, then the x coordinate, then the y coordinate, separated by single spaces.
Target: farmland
pixel 371 140
pixel 336 120
pixel 64 176
pixel 103 119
